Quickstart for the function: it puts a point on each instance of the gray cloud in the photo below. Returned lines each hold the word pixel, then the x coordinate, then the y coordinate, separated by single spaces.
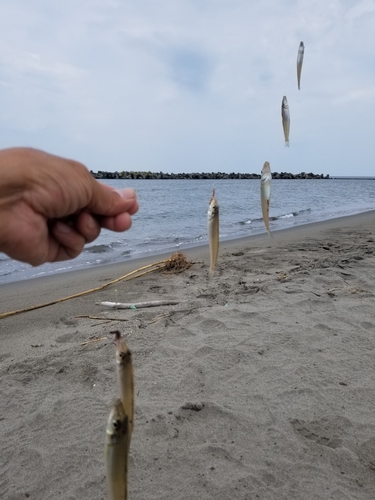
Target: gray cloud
pixel 190 85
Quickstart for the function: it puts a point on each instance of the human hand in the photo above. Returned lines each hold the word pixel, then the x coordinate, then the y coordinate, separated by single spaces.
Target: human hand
pixel 50 207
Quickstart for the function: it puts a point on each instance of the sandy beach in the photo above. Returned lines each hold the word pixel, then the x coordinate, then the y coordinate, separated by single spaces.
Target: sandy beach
pixel 258 384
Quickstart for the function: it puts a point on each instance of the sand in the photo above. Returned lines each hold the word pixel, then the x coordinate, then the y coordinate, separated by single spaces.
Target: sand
pixel 259 384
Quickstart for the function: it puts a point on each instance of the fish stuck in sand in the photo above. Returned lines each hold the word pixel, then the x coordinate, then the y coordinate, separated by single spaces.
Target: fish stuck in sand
pixel 301 51
pixel 265 193
pixel 125 377
pixel 116 452
pixel 120 424
pixel 285 119
pixel 213 232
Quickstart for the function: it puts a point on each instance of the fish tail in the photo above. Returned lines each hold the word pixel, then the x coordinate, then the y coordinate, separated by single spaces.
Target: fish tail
pixel 287 144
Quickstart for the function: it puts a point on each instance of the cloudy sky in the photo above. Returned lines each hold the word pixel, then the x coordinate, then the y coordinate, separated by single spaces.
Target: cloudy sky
pixel 191 85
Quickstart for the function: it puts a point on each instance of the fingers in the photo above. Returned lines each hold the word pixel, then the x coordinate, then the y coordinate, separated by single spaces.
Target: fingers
pixel 87 225
pixel 110 202
pixel 118 218
pixel 118 223
pixel 68 242
pixel 69 237
pixel 131 196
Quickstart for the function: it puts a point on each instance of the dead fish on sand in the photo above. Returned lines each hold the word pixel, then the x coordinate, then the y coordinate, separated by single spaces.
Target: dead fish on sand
pixel 265 193
pixel 285 119
pixel 213 232
pixel 116 454
pixel 301 51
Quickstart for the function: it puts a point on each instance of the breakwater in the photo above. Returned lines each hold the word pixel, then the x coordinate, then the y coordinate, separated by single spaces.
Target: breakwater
pixel 212 175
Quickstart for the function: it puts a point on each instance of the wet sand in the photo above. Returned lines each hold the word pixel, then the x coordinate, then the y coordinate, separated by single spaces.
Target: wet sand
pixel 259 384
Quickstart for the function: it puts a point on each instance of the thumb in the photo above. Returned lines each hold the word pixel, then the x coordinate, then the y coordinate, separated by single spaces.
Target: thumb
pixel 109 201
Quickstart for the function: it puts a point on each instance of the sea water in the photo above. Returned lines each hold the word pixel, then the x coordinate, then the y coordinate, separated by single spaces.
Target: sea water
pixel 173 216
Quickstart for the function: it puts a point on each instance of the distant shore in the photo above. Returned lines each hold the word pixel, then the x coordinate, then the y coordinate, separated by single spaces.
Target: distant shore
pixel 204 175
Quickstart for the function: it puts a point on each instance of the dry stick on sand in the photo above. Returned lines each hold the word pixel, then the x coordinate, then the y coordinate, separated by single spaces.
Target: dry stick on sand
pixel 138 305
pixel 94 340
pixel 177 261
pixel 103 318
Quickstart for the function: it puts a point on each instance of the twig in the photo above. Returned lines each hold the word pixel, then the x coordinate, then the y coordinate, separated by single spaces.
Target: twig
pixel 102 318
pixel 137 305
pixel 158 318
pixel 176 262
pixel 94 340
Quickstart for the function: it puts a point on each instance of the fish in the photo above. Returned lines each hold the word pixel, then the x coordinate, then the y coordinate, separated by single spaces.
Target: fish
pixel 125 377
pixel 213 232
pixel 285 119
pixel 265 193
pixel 116 452
pixel 301 51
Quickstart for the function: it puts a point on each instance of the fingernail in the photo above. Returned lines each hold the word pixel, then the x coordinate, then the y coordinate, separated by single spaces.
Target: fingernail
pixel 126 193
pixel 62 228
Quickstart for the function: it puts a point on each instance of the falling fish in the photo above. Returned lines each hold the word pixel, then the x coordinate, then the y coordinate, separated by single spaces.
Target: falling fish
pixel 116 452
pixel 265 193
pixel 213 232
pixel 301 51
pixel 286 119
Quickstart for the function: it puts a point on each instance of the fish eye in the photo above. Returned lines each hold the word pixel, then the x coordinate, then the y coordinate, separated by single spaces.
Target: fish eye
pixel 116 424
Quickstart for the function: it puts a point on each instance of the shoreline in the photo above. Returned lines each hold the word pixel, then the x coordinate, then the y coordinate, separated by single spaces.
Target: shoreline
pixel 199 249
pixel 258 383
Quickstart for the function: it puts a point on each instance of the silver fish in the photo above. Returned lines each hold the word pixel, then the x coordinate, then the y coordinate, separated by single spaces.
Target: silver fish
pixel 213 231
pixel 285 119
pixel 116 452
pixel 301 51
pixel 265 193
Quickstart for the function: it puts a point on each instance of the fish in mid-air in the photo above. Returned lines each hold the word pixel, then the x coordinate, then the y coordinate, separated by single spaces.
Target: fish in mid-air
pixel 213 231
pixel 285 119
pixel 265 193
pixel 301 51
pixel 116 452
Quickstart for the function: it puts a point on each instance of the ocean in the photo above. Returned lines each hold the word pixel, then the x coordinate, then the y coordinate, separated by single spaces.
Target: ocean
pixel 173 216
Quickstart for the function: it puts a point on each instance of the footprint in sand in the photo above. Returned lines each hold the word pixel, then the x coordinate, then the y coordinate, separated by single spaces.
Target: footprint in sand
pixel 320 432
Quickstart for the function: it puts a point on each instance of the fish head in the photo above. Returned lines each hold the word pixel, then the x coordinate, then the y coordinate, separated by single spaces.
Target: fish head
pixel 301 46
pixel 117 425
pixel 284 104
pixel 213 209
pixel 266 168
pixel 123 353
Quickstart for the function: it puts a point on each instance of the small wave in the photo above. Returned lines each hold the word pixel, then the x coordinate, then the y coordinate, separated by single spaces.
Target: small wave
pixel 185 240
pixel 98 249
pixel 300 212
pixel 291 214
pixel 286 216
pixel 5 272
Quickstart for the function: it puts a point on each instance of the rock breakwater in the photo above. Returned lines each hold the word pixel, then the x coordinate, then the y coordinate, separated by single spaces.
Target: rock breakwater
pixel 213 175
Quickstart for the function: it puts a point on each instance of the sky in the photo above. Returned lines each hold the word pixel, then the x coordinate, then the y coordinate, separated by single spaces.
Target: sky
pixel 191 85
